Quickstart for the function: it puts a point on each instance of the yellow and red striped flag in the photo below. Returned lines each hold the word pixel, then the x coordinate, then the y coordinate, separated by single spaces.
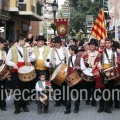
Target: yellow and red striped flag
pixel 99 28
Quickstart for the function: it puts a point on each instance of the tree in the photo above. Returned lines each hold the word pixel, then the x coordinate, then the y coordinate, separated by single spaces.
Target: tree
pixel 81 9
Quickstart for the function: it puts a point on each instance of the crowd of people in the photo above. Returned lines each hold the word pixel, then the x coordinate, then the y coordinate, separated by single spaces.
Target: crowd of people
pixel 91 64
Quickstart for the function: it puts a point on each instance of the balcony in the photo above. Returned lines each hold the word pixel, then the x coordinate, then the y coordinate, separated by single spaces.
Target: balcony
pixel 4 14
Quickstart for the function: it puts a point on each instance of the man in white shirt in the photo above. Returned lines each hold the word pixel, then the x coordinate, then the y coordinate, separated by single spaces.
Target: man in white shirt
pixel 57 55
pixel 108 59
pixel 41 51
pixel 2 82
pixel 87 61
pixel 18 56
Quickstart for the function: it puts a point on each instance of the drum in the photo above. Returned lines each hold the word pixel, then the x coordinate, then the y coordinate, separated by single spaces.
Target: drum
pixel 59 74
pixel 111 73
pixel 44 99
pixel 4 72
pixel 87 75
pixel 26 73
pixel 117 81
pixel 73 79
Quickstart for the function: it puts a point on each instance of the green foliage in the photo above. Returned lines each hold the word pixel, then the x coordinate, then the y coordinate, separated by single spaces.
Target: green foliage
pixel 53 26
pixel 81 9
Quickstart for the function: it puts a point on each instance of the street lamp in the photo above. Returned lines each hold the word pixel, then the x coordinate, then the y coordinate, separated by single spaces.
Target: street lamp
pixel 55 9
pixel 108 19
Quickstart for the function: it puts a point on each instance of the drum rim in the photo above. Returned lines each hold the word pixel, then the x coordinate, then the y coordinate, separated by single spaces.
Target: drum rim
pixel 109 69
pixel 24 66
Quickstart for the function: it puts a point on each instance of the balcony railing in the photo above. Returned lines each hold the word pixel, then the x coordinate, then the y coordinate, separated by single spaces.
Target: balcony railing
pixel 4 12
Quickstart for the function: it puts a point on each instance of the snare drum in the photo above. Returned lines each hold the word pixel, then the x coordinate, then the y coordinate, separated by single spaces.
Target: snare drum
pixel 59 74
pixel 111 73
pixel 4 72
pixel 26 73
pixel 73 79
pixel 87 75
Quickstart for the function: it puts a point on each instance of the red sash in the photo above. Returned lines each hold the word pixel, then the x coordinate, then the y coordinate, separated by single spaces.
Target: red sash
pixel 96 73
pixel 19 64
pixel 118 58
pixel 70 70
pixel 97 78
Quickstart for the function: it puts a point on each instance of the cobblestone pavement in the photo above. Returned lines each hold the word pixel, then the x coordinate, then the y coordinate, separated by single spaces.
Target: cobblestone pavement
pixel 57 113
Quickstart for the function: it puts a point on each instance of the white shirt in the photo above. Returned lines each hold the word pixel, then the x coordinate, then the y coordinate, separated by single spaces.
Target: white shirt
pixel 109 52
pixel 57 60
pixel 73 61
pixel 41 52
pixel 31 57
pixel 37 87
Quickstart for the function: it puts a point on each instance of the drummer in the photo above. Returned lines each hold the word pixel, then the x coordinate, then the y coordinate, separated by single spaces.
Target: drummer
pixel 2 82
pixel 18 56
pixel 57 55
pixel 41 51
pixel 87 61
pixel 73 64
pixel 108 59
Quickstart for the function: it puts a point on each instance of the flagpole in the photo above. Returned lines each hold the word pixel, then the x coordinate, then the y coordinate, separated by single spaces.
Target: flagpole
pixel 116 30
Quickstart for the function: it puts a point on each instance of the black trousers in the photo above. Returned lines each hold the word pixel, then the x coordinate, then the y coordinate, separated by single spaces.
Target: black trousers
pixel 90 88
pixel 116 96
pixel 59 93
pixel 106 104
pixel 20 94
pixel 74 92
pixel 2 93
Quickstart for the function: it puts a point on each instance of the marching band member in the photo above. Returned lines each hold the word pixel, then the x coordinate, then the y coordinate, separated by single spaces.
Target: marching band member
pixel 41 88
pixel 73 64
pixel 57 55
pixel 108 59
pixel 2 82
pixel 41 51
pixel 87 61
pixel 115 47
pixel 18 56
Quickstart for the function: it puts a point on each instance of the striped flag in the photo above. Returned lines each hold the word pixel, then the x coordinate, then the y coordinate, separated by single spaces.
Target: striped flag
pixel 99 27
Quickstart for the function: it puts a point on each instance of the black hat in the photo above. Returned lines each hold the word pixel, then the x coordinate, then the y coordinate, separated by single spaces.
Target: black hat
pixel 41 38
pixel 93 41
pixel 57 39
pixel 116 44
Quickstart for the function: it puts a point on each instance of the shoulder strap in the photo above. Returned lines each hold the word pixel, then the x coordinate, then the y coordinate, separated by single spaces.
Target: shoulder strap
pixel 59 55
pixel 107 56
pixel 20 53
pixel 68 64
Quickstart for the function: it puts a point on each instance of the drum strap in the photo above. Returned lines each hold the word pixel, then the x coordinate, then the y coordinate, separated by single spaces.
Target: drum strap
pixel 59 56
pixel 72 62
pixel 107 56
pixel 20 53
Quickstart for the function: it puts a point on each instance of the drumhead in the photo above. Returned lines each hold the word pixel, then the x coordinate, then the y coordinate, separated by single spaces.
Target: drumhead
pixel 108 68
pixel 88 72
pixel 56 72
pixel 1 67
pixel 25 69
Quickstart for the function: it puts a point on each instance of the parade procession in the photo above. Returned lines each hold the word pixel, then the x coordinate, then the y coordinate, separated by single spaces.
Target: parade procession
pixel 60 70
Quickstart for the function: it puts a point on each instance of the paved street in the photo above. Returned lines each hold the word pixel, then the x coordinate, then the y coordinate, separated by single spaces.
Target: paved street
pixel 56 113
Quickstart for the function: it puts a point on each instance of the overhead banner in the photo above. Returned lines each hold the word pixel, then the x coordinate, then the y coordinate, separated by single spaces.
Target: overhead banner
pixel 62 26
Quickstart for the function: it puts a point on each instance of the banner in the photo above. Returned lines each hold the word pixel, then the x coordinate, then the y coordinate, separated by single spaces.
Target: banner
pixel 62 26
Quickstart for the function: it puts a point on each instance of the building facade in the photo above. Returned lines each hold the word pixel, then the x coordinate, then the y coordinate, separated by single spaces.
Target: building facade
pixel 4 17
pixel 21 13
